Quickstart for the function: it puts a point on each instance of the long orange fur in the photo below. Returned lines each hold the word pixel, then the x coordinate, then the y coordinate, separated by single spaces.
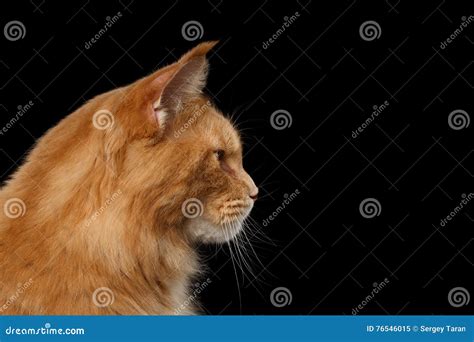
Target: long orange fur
pixel 103 207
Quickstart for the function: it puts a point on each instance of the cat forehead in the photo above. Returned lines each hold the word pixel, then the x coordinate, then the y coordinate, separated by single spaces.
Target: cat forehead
pixel 221 130
pixel 212 125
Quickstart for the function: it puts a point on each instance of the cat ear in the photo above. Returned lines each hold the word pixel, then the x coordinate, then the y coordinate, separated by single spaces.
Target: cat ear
pixel 172 86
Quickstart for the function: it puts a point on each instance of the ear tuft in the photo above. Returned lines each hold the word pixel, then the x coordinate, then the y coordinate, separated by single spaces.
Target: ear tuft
pixel 168 89
pixel 183 81
pixel 199 50
pixel 187 83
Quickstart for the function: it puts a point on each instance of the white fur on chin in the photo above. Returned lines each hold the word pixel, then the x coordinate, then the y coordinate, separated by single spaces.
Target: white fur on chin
pixel 204 231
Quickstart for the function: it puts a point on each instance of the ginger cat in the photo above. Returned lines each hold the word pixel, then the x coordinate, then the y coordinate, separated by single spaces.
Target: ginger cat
pixel 104 215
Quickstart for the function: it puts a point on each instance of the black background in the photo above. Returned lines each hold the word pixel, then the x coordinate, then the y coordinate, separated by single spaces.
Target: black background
pixel 328 78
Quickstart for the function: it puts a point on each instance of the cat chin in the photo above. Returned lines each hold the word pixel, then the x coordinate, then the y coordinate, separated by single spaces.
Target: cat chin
pixel 204 231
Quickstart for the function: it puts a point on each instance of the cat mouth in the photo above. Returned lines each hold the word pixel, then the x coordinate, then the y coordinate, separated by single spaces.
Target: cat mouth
pixel 235 211
pixel 228 227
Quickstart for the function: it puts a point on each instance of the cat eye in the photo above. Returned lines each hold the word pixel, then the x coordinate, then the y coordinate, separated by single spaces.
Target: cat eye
pixel 219 154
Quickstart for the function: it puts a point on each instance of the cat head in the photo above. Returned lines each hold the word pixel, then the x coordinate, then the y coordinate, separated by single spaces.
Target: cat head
pixel 178 153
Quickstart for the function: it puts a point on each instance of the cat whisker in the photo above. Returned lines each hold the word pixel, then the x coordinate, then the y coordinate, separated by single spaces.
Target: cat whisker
pixel 260 276
pixel 233 264
pixel 250 244
pixel 258 230
pixel 240 244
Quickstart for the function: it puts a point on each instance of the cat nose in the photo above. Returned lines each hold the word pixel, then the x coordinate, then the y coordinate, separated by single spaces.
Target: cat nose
pixel 254 194
pixel 253 189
